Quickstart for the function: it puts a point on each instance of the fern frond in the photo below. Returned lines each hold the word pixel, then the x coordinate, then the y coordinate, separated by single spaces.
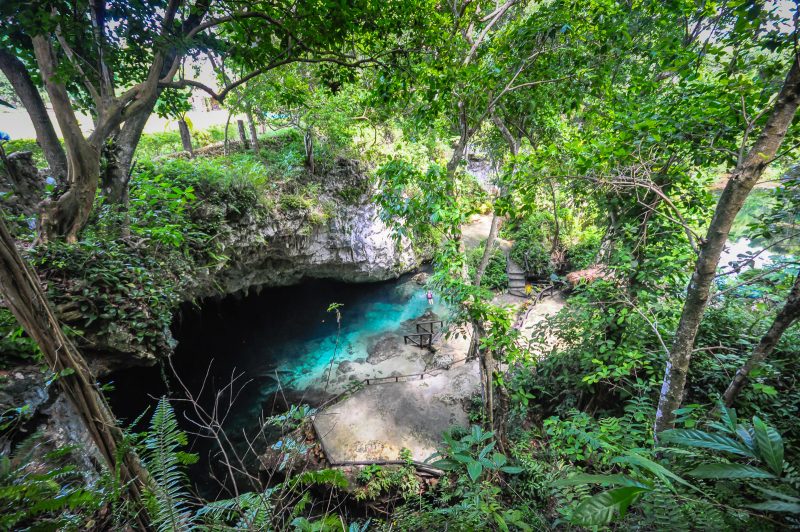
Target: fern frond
pixel 168 497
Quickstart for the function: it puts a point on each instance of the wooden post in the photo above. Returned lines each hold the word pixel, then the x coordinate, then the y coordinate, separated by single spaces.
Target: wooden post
pixel 186 137
pixel 242 135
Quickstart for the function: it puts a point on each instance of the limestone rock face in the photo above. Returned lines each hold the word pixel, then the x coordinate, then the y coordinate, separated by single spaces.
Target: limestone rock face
pixel 353 245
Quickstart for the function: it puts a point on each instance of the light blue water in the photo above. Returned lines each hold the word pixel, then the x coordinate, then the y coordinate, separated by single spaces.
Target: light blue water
pixel 287 335
pixel 284 332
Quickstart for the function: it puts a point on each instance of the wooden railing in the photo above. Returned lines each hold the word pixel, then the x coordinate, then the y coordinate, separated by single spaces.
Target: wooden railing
pixel 419 339
pixel 429 326
pixel 427 333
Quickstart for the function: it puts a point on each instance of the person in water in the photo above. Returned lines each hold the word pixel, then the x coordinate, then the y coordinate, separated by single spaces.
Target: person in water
pixel 430 297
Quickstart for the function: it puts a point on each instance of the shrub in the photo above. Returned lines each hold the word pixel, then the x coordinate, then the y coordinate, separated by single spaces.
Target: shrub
pixel 582 253
pixel 495 276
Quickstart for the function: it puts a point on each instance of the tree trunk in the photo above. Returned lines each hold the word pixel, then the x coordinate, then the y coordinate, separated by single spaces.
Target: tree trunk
pixel 27 92
pixel 186 137
pixel 556 228
pixel 487 251
pixel 308 143
pixel 68 214
pixel 242 134
pixel 117 175
pixel 513 146
pixel 24 297
pixel 785 318
pixel 741 182
pixel 225 148
pixel 253 133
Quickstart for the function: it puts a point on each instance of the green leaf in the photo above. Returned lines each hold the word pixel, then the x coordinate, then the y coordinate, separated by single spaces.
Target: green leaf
pixel 705 440
pixel 582 478
pixel 499 459
pixel 658 470
pixel 730 471
pixel 444 464
pixel 776 493
pixel 474 469
pixel 776 505
pixel 486 450
pixel 511 470
pixel 601 509
pixel 728 417
pixel 769 445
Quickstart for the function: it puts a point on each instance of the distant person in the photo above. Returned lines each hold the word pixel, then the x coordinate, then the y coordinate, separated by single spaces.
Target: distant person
pixel 430 297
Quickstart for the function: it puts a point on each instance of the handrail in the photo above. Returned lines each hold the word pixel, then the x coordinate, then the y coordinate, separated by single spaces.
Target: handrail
pixel 396 378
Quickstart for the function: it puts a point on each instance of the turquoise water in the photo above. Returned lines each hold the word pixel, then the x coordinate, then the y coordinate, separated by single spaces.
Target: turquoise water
pixel 278 344
pixel 282 332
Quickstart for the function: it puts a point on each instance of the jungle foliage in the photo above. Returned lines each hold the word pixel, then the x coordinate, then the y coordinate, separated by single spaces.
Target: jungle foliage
pixel 595 134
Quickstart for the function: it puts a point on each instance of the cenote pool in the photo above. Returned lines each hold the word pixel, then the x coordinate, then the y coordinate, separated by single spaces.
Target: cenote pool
pixel 277 343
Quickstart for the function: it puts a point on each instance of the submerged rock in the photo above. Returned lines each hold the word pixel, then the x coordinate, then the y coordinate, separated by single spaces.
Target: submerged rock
pixel 382 347
pixel 345 367
pixel 421 278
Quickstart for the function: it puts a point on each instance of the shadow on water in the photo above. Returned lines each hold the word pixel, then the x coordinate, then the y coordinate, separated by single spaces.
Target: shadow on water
pixel 281 335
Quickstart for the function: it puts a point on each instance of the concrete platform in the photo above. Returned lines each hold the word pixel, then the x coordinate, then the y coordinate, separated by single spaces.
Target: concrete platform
pixel 375 423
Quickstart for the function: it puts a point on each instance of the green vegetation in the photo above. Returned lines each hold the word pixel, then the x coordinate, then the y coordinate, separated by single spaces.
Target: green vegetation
pixel 662 395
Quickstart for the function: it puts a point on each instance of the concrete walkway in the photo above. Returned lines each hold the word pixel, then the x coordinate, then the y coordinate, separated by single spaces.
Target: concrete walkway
pixel 380 420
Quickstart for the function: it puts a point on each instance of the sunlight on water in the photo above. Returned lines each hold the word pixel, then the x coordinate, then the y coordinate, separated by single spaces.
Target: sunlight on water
pixel 362 320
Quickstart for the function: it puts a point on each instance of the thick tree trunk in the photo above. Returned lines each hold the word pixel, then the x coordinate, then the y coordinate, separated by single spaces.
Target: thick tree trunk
pixel 741 182
pixel 186 137
pixel 24 297
pixel 242 134
pixel 118 170
pixel 68 214
pixel 789 314
pixel 253 133
pixel 46 136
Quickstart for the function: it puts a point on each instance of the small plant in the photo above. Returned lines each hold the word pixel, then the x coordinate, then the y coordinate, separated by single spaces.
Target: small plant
pixel 378 480
pixel 472 452
pixel 49 498
pixel 168 498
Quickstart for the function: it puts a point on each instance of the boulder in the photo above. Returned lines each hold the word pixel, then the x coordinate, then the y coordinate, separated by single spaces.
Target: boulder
pixel 345 367
pixel 421 278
